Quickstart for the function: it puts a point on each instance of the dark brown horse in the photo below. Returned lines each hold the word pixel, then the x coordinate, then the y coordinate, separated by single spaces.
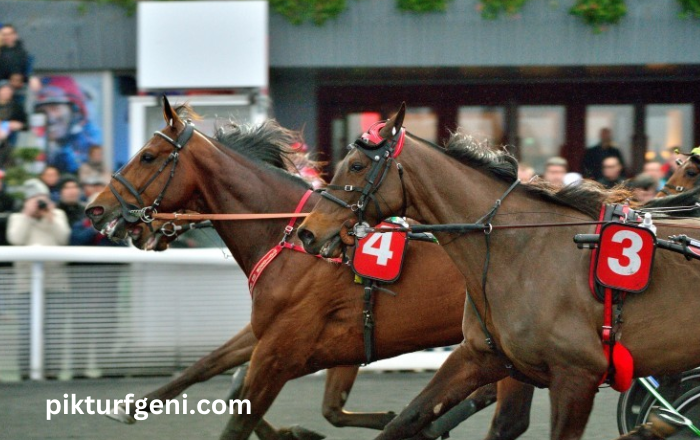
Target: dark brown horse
pixel 296 288
pixel 536 305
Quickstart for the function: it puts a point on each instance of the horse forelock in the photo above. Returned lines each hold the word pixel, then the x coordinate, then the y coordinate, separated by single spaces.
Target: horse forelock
pixel 185 111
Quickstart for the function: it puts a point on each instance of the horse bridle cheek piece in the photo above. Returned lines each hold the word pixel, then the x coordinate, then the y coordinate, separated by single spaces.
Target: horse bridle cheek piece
pixel 381 152
pixel 132 213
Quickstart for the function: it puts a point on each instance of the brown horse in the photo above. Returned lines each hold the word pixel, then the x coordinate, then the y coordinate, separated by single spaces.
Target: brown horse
pixel 296 288
pixel 534 302
pixel 684 178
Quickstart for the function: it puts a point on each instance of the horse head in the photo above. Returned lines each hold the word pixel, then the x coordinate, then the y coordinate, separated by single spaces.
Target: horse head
pixel 685 177
pixel 152 180
pixel 369 188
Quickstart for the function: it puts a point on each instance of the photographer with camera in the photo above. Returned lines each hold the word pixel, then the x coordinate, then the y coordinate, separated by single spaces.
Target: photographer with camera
pixel 39 222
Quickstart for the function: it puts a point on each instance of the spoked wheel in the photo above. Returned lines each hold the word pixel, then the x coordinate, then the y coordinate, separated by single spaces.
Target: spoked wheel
pixel 634 405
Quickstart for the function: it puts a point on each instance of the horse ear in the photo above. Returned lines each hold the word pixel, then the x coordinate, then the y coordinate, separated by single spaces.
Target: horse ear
pixel 169 114
pixel 394 124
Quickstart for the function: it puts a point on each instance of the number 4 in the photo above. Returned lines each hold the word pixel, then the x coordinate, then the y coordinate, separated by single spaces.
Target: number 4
pixel 383 252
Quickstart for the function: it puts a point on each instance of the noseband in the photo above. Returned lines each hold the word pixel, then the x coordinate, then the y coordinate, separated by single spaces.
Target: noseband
pixel 381 152
pixel 667 187
pixel 132 213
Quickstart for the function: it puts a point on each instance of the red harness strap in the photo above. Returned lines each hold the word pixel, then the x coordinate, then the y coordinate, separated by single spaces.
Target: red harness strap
pixel 620 361
pixel 262 264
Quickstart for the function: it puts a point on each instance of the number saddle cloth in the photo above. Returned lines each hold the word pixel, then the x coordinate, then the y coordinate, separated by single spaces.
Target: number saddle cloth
pixel 621 263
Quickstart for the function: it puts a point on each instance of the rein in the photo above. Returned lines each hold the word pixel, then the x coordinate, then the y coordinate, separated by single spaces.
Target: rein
pixel 183 216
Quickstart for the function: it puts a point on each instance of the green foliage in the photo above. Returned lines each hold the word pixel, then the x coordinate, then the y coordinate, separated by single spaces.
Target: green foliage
pixel 422 6
pixel 599 13
pixel 300 11
pixel 21 158
pixel 492 9
pixel 25 154
pixel 690 8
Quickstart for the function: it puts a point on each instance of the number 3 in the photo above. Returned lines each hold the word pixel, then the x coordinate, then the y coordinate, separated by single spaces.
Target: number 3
pixel 383 252
pixel 631 252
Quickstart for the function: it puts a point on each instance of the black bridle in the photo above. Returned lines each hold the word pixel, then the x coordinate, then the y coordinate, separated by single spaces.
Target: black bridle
pixel 382 154
pixel 678 189
pixel 132 213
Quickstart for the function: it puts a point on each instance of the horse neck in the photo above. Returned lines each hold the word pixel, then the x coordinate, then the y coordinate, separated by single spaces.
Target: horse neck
pixel 233 184
pixel 442 190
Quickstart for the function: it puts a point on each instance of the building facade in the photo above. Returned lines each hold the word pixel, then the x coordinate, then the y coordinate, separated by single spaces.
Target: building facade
pixel 542 82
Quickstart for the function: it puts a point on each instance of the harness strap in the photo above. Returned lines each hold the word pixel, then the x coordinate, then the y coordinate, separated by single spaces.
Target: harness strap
pixel 368 320
pixel 262 264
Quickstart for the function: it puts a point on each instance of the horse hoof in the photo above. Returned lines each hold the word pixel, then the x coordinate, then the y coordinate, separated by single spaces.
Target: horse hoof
pixel 664 423
pixel 301 433
pixel 121 416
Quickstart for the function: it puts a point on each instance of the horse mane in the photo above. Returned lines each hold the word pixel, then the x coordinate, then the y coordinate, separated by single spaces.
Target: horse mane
pixel 586 197
pixel 269 143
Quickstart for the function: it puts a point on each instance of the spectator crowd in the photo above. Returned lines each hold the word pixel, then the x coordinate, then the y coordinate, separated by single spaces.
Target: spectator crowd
pixel 51 211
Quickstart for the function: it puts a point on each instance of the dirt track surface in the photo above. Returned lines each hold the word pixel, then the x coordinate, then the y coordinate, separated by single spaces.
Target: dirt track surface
pixel 23 409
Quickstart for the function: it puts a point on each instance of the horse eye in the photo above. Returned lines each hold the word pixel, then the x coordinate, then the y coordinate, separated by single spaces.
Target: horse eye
pixel 147 157
pixel 357 166
pixel 691 173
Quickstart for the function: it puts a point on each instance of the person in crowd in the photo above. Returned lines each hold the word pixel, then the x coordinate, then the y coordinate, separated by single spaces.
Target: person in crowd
pixel 644 187
pixel 525 173
pixel 68 130
pixel 12 120
pixel 654 169
pixel 13 56
pixel 7 202
pixel 612 172
pixel 7 206
pixel 51 177
pixel 69 199
pixel 93 185
pixel 554 171
pixel 94 165
pixel 39 222
pixel 595 155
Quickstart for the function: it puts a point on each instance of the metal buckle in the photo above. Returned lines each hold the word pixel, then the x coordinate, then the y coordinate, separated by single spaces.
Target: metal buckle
pixel 288 230
pixel 360 230
pixel 169 229
pixel 147 214
pixel 349 188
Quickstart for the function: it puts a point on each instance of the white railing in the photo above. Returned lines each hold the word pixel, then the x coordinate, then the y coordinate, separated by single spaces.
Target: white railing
pixel 69 311
pixel 66 311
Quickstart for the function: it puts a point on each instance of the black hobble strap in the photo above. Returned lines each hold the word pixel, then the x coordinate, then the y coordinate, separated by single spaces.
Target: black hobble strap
pixel 368 320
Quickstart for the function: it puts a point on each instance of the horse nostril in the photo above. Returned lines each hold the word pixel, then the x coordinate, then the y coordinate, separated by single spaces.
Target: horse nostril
pixel 95 212
pixel 306 236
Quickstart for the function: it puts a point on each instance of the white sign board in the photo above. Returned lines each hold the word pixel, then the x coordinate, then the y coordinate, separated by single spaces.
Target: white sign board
pixel 202 45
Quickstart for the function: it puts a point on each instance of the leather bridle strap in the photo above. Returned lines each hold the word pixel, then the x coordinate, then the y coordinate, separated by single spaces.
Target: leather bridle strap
pixel 132 213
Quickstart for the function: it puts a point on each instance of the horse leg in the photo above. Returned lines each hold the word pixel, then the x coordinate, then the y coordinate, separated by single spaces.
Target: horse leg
pixel 272 365
pixel 478 400
pixel 462 372
pixel 339 382
pixel 571 393
pixel 265 431
pixel 512 417
pixel 234 352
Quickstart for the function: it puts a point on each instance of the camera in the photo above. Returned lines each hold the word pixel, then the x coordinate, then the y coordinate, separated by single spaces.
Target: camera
pixel 42 205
